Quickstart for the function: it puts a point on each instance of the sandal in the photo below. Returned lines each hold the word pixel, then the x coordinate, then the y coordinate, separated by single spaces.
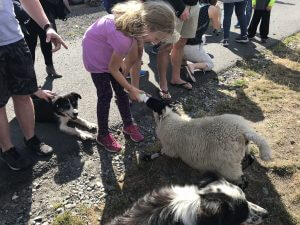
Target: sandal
pixel 182 85
pixel 190 73
pixel 165 95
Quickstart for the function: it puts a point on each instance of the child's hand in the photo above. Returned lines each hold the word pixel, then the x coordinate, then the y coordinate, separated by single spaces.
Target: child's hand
pixel 134 93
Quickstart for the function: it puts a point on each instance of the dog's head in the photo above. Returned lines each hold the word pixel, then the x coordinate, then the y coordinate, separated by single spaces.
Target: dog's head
pixel 222 203
pixel 160 108
pixel 67 105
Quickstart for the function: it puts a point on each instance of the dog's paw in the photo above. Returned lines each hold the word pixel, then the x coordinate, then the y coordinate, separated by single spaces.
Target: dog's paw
pixel 85 136
pixel 92 126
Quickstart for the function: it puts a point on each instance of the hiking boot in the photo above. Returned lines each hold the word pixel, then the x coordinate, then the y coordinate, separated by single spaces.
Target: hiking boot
pixel 109 143
pixel 243 39
pixel 225 43
pixel 38 147
pixel 51 72
pixel 14 160
pixel 134 133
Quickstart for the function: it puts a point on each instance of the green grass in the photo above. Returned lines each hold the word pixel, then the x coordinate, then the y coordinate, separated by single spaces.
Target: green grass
pixel 67 218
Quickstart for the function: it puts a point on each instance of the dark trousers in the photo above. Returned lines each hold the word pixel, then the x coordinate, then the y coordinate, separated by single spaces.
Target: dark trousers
pixel 35 31
pixel 262 16
pixel 240 13
pixel 104 83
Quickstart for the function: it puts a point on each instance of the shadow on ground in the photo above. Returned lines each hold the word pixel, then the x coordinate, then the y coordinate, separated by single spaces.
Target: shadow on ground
pixel 66 159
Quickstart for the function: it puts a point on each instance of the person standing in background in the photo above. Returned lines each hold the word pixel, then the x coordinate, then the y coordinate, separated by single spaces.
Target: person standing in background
pixel 187 12
pixel 239 6
pixel 262 13
pixel 34 31
pixel 248 12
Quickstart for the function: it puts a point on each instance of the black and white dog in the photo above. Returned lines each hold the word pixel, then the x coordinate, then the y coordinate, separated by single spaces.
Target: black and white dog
pixel 214 201
pixel 63 109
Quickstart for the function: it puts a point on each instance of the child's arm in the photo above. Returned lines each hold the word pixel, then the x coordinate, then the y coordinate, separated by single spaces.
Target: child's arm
pixel 114 68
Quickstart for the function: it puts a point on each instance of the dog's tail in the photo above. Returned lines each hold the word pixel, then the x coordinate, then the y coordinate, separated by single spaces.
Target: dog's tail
pixel 264 148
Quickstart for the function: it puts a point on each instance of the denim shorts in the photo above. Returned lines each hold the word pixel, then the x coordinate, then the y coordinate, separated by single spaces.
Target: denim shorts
pixel 17 76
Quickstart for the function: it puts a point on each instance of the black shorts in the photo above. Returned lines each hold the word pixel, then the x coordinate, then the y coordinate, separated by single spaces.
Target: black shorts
pixel 17 76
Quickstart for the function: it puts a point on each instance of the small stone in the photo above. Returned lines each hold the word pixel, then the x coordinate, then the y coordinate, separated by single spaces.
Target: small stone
pixel 14 197
pixel 38 219
pixel 293 142
pixel 69 206
pixel 59 210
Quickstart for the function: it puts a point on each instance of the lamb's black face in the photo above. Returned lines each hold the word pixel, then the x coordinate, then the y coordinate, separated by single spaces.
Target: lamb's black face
pixel 67 105
pixel 223 203
pixel 158 106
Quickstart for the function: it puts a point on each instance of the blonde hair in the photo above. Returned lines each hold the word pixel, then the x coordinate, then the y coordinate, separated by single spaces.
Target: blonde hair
pixel 135 18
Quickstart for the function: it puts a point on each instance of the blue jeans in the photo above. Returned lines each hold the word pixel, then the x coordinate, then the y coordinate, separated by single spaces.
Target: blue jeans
pixel 248 12
pixel 240 13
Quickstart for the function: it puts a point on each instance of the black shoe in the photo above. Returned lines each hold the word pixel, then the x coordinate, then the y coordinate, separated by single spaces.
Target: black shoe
pixel 225 43
pixel 264 40
pixel 250 37
pixel 243 39
pixel 14 160
pixel 38 147
pixel 52 72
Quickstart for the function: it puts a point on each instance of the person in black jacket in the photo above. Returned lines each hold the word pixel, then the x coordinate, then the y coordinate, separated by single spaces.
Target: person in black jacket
pixel 187 12
pixel 34 31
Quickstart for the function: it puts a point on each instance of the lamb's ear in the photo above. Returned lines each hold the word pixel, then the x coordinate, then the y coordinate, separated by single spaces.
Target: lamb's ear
pixel 76 95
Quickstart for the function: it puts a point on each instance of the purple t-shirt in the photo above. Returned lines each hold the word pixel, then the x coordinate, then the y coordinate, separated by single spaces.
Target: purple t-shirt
pixel 99 42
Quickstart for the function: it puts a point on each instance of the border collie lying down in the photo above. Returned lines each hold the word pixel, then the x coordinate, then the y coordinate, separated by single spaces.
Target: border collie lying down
pixel 213 143
pixel 214 201
pixel 63 109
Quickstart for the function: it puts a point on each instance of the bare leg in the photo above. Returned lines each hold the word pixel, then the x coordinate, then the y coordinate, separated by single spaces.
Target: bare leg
pixel 162 65
pixel 5 140
pixel 176 60
pixel 24 111
pixel 135 74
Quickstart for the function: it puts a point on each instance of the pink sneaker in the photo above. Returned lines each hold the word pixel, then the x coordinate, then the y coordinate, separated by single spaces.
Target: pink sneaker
pixel 134 133
pixel 109 143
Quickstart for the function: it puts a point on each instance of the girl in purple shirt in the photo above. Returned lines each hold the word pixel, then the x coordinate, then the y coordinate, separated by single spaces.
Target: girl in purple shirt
pixel 110 50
